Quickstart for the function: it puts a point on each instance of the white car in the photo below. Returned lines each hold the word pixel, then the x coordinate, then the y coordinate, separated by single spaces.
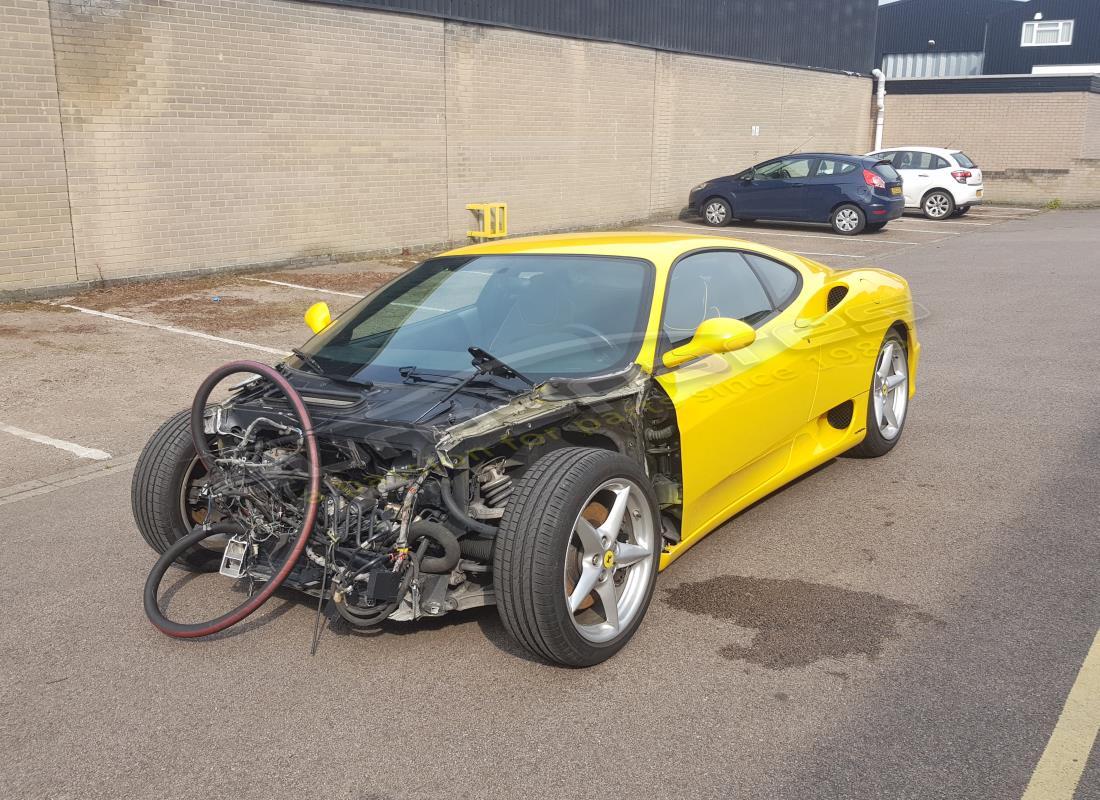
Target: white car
pixel 941 183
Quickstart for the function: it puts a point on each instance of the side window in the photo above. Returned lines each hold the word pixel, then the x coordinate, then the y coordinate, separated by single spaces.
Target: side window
pixel 905 159
pixel 828 167
pixel 718 283
pixel 939 163
pixel 780 280
pixel 786 168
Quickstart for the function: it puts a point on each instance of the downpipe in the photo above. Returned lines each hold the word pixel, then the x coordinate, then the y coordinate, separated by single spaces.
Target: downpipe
pixel 880 103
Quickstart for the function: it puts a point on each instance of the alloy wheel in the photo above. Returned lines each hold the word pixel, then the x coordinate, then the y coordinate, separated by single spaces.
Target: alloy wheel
pixel 609 560
pixel 937 205
pixel 890 389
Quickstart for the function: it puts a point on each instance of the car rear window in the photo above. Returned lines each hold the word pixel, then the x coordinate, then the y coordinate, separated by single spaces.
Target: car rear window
pixel 964 160
pixel 884 169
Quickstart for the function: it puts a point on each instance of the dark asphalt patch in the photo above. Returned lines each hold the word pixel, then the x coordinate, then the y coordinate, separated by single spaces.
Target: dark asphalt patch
pixel 797 623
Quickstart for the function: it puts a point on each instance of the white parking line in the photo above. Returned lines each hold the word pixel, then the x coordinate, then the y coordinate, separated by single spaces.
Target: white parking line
pixel 80 451
pixel 173 329
pixel 811 253
pixel 930 231
pixel 307 288
pixel 748 233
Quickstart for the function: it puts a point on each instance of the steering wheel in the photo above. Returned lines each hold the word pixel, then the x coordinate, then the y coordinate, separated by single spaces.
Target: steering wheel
pixel 608 347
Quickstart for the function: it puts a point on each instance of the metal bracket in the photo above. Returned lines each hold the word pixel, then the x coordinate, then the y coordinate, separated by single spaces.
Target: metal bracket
pixel 493 218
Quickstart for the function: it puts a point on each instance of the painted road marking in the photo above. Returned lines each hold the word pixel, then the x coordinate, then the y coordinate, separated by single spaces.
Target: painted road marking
pixel 180 331
pixel 810 253
pixel 754 231
pixel 1060 767
pixel 78 450
pixel 307 288
pixel 61 480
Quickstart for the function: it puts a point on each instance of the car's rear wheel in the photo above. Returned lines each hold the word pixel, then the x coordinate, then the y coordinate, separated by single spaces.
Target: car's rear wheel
pixel 938 204
pixel 888 403
pixel 717 212
pixel 166 498
pixel 576 557
pixel 848 220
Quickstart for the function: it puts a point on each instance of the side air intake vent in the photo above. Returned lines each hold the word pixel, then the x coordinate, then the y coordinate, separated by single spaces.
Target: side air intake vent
pixel 840 417
pixel 836 294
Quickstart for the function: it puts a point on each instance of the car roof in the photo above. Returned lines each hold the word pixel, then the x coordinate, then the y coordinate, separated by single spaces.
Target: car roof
pixel 820 155
pixel 937 151
pixel 660 248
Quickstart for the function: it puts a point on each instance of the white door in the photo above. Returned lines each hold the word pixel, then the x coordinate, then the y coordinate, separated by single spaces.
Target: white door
pixel 917 175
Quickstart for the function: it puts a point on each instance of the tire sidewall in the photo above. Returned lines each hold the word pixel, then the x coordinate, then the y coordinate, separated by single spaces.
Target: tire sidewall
pixel 724 203
pixel 874 441
pixel 858 229
pixel 548 589
pixel 950 204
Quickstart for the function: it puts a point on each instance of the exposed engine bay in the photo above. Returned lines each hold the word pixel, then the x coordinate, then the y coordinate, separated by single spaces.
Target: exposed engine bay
pixel 295 486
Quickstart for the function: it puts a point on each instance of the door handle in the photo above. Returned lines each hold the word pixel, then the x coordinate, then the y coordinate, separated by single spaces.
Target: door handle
pixel 921 175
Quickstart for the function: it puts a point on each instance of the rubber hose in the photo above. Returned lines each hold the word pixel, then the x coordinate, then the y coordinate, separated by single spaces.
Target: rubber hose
pixel 436 565
pixel 461 516
pixel 313 496
pixel 478 549
pixel 659 434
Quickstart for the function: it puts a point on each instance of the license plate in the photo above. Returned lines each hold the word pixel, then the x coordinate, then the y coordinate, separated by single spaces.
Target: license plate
pixel 978 193
pixel 895 190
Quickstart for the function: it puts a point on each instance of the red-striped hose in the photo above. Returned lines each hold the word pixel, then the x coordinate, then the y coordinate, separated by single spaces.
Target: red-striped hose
pixel 198 408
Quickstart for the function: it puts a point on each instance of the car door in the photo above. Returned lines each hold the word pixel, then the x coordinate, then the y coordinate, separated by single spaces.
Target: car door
pixel 737 412
pixel 776 190
pixel 916 174
pixel 823 189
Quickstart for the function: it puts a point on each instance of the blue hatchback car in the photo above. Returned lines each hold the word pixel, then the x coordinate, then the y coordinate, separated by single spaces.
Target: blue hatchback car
pixel 851 193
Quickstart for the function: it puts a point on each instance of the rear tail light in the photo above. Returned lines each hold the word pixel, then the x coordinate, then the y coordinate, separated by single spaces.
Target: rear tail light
pixel 961 175
pixel 873 179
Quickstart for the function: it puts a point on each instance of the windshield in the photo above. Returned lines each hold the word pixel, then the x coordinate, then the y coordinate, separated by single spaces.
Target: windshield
pixel 545 315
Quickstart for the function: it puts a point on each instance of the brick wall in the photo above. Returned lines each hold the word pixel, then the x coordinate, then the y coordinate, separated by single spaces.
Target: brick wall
pixel 202 134
pixel 36 240
pixel 1032 147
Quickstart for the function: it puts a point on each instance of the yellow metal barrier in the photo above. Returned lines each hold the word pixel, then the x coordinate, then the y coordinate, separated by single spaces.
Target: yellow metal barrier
pixel 494 220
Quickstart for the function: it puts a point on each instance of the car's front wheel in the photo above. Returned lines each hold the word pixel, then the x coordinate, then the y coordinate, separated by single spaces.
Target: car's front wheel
pixel 888 403
pixel 848 220
pixel 166 494
pixel 576 557
pixel 938 204
pixel 717 212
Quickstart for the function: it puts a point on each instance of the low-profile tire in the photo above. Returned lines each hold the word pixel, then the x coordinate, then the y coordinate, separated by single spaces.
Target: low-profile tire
pixel 938 204
pixel 888 400
pixel 159 493
pixel 848 219
pixel 875 227
pixel 555 541
pixel 716 212
pixel 961 211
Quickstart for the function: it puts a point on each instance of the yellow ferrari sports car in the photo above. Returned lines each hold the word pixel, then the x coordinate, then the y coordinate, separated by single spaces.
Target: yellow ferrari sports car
pixel 538 423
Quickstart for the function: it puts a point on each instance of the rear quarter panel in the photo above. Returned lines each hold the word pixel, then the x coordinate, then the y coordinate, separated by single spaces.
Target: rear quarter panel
pixel 846 339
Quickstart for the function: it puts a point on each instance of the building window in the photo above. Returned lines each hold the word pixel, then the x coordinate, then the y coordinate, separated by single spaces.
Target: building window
pixel 1047 32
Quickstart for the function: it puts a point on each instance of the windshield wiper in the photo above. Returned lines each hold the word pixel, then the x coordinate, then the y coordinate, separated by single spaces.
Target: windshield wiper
pixel 311 362
pixel 484 363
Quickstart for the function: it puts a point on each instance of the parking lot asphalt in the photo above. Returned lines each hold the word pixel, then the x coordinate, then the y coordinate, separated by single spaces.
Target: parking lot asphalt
pixel 907 627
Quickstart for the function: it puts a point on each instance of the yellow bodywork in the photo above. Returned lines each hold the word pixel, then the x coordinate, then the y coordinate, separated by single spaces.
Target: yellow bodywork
pixel 753 419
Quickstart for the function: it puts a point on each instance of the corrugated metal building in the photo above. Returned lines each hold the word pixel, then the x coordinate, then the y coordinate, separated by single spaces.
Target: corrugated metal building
pixel 952 38
pixel 823 34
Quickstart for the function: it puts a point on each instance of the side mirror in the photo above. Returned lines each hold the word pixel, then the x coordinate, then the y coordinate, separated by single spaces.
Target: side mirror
pixel 718 335
pixel 318 317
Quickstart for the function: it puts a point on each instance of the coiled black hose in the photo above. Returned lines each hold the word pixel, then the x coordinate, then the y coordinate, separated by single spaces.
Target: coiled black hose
pixel 313 494
pixel 433 531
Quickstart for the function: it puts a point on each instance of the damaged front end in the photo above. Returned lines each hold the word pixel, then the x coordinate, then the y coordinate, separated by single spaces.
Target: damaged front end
pixel 405 514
